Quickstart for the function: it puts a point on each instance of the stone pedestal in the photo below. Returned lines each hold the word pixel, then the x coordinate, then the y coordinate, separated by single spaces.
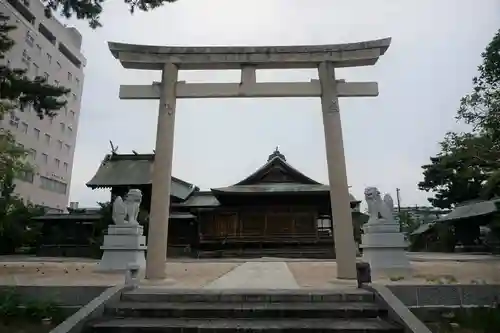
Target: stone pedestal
pixel 124 245
pixel 384 247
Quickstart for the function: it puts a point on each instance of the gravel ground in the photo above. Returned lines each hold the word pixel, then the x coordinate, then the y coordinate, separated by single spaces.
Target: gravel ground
pixel 322 275
pixel 188 275
pixel 314 274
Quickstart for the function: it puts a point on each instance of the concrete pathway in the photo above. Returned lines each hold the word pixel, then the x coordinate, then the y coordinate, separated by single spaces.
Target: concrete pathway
pixel 257 275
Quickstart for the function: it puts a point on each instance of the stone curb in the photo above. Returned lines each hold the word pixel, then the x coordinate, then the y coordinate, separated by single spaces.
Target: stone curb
pixel 398 311
pixel 94 309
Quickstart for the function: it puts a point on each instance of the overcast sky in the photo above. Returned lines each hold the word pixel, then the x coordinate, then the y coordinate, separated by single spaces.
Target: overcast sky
pixel 435 50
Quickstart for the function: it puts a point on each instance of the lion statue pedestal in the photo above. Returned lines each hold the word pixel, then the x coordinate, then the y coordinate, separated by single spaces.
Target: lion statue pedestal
pixel 384 246
pixel 124 244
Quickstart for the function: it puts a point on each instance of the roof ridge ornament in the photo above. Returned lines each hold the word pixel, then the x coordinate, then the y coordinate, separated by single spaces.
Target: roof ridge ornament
pixel 276 153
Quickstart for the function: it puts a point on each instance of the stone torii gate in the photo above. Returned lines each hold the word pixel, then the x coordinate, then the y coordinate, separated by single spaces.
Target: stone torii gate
pixel 249 59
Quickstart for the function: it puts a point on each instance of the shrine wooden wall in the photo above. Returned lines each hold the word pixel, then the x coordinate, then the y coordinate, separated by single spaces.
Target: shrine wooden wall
pixel 258 223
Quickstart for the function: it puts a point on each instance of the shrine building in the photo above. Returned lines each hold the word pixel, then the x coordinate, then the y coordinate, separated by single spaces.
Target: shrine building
pixel 275 211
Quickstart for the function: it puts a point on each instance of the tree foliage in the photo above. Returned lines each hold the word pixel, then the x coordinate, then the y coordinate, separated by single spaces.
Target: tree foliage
pixel 408 222
pixel 481 108
pixel 468 164
pixel 18 91
pixel 91 10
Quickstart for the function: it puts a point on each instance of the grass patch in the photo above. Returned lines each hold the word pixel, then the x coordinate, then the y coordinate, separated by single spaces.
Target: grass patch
pixel 15 310
pixel 396 278
pixel 468 320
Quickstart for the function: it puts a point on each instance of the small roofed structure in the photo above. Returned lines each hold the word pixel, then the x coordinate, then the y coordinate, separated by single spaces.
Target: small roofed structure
pixel 472 224
pixel 277 210
pixel 68 234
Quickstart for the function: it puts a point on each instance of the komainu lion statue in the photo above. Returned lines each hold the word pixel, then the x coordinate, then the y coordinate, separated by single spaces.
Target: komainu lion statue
pixel 126 212
pixel 378 208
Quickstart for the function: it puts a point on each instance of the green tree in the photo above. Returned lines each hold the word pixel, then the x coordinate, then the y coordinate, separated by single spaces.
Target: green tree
pixel 408 222
pixel 453 175
pixel 17 93
pixel 481 108
pixel 468 164
pixel 91 10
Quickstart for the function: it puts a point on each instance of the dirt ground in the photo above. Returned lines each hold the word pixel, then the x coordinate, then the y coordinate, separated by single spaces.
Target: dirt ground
pixel 185 275
pixel 312 274
pixel 323 274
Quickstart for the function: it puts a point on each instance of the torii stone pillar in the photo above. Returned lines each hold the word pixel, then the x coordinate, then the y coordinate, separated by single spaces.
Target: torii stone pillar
pixel 337 174
pixel 249 59
pixel 162 175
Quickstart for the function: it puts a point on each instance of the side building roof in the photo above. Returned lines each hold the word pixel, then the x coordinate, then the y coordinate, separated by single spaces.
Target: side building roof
pixel 134 170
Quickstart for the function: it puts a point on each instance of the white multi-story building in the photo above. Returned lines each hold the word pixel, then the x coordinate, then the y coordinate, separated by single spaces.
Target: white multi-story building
pixel 422 213
pixel 45 47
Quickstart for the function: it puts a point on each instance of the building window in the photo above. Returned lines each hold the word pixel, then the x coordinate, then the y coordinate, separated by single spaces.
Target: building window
pixel 36 70
pixel 324 225
pixel 14 121
pixel 24 127
pixel 32 153
pixel 59 144
pixel 59 65
pixel 63 127
pixel 72 113
pixel 26 58
pixel 36 132
pixel 70 131
pixel 65 166
pixel 74 96
pixel 47 139
pixel 53 185
pixel 45 158
pixel 49 58
pixel 67 149
pixel 25 176
pixel 29 38
pixel 57 162
pixel 70 76
pixel 38 49
pixel 77 80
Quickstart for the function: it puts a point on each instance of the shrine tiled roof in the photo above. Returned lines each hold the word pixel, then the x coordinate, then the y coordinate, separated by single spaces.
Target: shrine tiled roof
pixel 274 188
pixel 134 170
pixel 277 163
pixel 200 199
pixel 472 209
pixel 276 176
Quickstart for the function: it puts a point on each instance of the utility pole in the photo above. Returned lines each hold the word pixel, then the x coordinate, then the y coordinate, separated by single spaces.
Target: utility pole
pixel 399 210
pixel 398 199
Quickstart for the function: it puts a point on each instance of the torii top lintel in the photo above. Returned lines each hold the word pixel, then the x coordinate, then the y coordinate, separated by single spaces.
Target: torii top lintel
pixel 150 57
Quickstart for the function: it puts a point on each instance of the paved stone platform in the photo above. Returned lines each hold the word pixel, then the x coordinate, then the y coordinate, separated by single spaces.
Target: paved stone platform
pixel 263 273
pixel 257 275
pixel 414 256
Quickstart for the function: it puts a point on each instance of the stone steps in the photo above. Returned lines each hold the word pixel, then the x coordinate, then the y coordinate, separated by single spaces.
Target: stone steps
pixel 154 310
pixel 160 325
pixel 246 296
pixel 245 310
